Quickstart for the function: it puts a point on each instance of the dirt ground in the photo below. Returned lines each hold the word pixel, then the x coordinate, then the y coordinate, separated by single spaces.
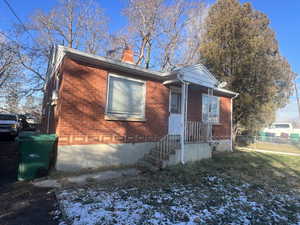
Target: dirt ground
pixel 22 203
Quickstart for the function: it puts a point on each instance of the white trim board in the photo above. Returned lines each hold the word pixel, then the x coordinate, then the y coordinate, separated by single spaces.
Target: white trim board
pixel 125 116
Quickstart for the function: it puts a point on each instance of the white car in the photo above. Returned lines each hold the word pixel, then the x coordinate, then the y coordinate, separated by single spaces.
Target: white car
pixel 281 128
pixel 9 125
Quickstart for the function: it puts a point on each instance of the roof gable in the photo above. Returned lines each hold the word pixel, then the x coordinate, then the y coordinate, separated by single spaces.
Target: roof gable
pixel 198 74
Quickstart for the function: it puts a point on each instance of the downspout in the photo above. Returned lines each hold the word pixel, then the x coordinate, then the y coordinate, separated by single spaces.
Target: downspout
pixel 183 116
pixel 48 118
pixel 231 109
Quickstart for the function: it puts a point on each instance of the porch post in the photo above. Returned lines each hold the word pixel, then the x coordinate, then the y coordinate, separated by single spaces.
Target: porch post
pixel 231 140
pixel 183 116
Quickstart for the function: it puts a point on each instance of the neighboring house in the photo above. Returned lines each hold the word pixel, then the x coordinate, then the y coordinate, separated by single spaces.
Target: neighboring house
pixel 108 113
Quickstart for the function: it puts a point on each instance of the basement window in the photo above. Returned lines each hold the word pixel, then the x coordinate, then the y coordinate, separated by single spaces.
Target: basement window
pixel 210 109
pixel 125 99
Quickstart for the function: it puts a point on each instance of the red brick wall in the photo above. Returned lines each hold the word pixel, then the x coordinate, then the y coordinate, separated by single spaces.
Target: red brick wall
pixel 223 130
pixel 78 117
pixel 82 103
pixel 194 113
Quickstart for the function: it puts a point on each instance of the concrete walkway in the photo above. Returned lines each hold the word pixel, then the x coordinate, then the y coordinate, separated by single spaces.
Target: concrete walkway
pixel 84 178
pixel 272 152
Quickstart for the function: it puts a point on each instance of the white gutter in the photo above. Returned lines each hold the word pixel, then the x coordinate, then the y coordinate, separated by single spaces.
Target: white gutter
pixel 113 64
pixel 225 91
pixel 231 109
pixel 48 118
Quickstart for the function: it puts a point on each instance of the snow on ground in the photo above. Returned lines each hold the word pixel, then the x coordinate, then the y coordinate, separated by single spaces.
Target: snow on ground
pixel 212 202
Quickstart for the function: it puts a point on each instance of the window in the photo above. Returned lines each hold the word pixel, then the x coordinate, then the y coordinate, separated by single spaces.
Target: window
pixel 8 117
pixel 210 109
pixel 126 98
pixel 283 125
pixel 175 102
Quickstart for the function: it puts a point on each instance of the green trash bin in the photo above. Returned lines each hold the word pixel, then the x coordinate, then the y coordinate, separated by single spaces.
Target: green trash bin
pixel 36 152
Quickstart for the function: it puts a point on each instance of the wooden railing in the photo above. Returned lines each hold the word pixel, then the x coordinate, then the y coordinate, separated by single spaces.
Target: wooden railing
pixel 166 145
pixel 196 131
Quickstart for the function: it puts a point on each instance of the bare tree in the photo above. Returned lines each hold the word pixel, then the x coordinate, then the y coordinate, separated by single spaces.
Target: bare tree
pixel 116 44
pixel 181 30
pixel 77 24
pixel 13 99
pixel 172 32
pixel 144 18
pixel 32 105
pixel 8 62
pixel 161 31
pixel 194 31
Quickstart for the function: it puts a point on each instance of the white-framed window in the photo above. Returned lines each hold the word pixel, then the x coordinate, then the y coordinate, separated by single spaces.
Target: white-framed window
pixel 125 98
pixel 210 109
pixel 175 103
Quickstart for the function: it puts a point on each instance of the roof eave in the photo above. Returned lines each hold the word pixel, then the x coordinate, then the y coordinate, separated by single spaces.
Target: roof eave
pixel 226 92
pixel 114 64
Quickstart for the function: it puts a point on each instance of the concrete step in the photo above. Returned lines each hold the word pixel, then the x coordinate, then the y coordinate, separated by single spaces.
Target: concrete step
pixel 156 154
pixel 152 161
pixel 147 166
pixel 151 158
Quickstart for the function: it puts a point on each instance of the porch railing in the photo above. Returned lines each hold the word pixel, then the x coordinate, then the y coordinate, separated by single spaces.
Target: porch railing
pixel 196 131
pixel 166 145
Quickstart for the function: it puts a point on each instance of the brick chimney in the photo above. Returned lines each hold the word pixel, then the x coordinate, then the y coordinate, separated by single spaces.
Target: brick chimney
pixel 128 55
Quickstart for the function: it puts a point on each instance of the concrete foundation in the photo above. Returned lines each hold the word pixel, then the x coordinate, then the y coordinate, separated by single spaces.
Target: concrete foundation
pixel 223 145
pixel 192 152
pixel 77 157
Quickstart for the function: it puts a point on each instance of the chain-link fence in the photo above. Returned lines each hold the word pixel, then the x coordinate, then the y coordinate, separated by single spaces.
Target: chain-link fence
pixel 289 143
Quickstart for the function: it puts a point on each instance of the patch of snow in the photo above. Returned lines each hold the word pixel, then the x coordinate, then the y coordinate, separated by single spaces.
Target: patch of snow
pixel 216 203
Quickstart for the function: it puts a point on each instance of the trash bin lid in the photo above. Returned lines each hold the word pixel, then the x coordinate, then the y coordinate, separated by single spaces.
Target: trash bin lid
pixel 38 137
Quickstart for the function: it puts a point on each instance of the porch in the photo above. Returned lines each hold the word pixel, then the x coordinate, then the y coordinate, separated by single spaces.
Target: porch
pixel 189 136
pixel 170 150
pixel 194 113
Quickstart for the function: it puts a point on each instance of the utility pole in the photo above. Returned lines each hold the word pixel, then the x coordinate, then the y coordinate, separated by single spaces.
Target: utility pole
pixel 297 97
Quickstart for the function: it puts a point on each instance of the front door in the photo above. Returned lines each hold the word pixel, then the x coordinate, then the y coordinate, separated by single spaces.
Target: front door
pixel 175 112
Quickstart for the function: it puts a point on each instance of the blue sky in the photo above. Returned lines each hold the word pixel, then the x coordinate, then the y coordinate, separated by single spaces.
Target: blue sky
pixel 284 17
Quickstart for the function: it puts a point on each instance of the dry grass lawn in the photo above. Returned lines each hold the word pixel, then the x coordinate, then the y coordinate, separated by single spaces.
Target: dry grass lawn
pixel 277 147
pixel 235 188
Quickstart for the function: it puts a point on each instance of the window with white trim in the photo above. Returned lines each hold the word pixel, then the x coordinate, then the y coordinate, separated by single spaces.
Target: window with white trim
pixel 126 98
pixel 210 109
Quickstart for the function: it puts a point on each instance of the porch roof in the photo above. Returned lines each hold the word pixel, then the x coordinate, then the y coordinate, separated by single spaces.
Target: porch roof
pixel 198 77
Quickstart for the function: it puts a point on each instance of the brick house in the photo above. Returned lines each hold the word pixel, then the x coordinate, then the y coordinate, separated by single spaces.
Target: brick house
pixel 111 112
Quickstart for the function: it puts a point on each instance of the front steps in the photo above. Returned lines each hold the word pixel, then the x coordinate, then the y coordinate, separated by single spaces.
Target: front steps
pixel 157 157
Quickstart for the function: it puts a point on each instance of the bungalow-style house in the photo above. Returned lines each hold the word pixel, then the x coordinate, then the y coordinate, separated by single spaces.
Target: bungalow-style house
pixel 109 112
